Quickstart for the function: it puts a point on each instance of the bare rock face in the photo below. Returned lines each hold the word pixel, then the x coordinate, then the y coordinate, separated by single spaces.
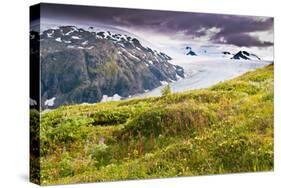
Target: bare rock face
pixel 80 66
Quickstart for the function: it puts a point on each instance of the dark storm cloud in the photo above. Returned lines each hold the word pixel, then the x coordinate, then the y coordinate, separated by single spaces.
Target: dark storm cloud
pixel 234 29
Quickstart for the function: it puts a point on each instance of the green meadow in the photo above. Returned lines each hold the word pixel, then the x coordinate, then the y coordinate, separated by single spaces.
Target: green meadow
pixel 227 128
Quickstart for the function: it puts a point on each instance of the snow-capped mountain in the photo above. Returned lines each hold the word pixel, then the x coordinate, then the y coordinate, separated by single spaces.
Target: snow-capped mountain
pixel 213 52
pixel 189 51
pixel 83 66
pixel 245 55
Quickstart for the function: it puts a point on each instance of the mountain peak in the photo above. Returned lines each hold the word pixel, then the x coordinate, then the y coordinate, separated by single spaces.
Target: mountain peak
pixel 245 55
pixel 189 51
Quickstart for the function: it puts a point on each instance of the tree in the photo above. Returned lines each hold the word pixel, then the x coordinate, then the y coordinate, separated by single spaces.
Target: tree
pixel 166 90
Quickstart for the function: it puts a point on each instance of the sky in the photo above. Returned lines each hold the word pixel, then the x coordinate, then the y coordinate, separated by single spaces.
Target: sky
pixel 169 28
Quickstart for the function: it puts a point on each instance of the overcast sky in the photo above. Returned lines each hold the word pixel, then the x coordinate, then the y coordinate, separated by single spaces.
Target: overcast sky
pixel 239 31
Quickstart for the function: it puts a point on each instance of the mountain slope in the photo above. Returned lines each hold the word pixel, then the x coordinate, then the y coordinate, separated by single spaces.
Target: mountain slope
pixel 227 128
pixel 81 66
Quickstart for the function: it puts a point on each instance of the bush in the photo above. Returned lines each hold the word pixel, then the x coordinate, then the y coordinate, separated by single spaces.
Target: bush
pixel 166 90
pixel 102 155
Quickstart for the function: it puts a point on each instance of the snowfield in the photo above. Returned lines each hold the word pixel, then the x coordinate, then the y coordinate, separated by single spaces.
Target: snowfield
pixel 205 72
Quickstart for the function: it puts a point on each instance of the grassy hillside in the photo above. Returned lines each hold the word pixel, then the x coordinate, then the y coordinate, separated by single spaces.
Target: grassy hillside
pixel 227 128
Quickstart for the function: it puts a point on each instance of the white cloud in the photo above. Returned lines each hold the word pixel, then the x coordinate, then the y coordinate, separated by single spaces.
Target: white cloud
pixel 266 36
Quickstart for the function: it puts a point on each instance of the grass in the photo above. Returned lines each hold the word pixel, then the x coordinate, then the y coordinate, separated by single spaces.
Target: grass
pixel 227 128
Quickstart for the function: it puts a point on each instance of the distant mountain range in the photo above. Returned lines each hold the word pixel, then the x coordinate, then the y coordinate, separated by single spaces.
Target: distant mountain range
pixel 83 66
pixel 240 55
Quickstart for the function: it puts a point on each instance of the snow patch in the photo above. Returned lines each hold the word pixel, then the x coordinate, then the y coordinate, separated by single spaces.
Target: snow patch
pixel 50 35
pixel 133 56
pixel 75 37
pixel 58 39
pixel 85 42
pixel 69 32
pixel 50 102
pixel 121 44
pixel 164 82
pixel 99 37
pixel 148 63
pixel 106 98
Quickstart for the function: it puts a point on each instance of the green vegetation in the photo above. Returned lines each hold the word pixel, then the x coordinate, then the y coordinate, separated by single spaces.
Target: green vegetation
pixel 166 90
pixel 227 128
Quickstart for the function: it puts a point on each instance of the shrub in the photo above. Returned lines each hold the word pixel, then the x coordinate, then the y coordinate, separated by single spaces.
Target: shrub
pixel 166 90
